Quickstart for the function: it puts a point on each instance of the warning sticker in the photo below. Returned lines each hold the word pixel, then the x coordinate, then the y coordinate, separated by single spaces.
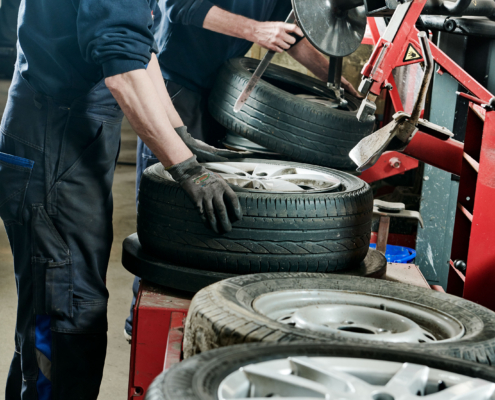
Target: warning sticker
pixel 412 54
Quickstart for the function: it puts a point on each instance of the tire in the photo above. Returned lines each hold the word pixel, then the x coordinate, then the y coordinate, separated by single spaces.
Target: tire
pixel 323 232
pixel 200 377
pixel 192 280
pixel 223 314
pixel 275 118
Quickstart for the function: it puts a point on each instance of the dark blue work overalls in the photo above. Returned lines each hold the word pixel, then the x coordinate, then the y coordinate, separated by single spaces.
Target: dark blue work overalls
pixel 57 161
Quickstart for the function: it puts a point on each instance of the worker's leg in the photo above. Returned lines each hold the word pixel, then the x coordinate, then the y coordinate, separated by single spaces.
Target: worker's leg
pixel 60 229
pixel 70 378
pixel 14 379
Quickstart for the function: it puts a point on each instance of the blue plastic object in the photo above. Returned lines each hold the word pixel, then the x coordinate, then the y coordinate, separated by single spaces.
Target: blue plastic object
pixel 398 254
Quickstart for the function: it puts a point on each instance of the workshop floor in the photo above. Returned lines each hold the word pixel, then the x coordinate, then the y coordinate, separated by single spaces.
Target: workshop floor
pixel 119 281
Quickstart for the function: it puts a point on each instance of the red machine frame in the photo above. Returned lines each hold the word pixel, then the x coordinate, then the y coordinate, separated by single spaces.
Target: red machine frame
pixel 473 161
pixel 157 334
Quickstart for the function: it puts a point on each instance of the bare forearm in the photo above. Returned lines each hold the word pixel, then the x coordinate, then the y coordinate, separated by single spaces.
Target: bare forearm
pixel 227 23
pixel 137 96
pixel 274 36
pixel 312 59
pixel 156 77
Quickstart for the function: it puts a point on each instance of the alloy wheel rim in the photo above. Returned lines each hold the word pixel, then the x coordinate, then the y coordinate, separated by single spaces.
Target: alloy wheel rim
pixel 339 378
pixel 360 316
pixel 275 177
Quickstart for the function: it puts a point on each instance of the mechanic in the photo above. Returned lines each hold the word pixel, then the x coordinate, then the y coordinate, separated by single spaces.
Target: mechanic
pixel 82 65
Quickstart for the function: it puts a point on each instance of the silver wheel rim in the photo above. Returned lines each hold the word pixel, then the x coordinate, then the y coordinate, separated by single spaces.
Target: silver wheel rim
pixel 274 177
pixel 359 316
pixel 334 378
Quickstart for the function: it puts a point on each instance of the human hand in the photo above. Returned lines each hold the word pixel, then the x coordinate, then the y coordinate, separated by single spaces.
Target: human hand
pixel 216 202
pixel 347 86
pixel 275 36
pixel 205 152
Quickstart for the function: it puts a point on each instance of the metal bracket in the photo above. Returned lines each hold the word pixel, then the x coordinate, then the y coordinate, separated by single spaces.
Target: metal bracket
pixel 395 210
pixel 387 210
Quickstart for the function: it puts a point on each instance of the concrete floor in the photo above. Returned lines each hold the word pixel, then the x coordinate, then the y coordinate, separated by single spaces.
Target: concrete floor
pixel 119 281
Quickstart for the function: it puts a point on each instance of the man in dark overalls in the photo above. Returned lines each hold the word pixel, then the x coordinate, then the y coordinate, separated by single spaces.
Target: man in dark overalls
pixel 82 64
pixel 195 37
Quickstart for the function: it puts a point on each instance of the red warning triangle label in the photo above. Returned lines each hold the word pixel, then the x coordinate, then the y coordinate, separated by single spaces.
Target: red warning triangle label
pixel 412 54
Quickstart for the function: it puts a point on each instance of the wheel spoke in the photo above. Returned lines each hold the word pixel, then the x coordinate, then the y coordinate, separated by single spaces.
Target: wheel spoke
pixel 239 180
pixel 470 390
pixel 225 168
pixel 335 380
pixel 270 170
pixel 411 378
pixel 265 382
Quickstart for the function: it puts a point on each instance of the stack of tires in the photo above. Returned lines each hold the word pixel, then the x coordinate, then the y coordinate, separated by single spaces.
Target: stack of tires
pixel 296 217
pixel 302 336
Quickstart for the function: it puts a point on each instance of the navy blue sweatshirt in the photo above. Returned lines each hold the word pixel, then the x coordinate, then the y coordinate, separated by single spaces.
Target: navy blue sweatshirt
pixel 67 46
pixel 190 55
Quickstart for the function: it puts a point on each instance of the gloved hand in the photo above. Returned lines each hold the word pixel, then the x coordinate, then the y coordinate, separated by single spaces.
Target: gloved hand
pixel 215 200
pixel 205 152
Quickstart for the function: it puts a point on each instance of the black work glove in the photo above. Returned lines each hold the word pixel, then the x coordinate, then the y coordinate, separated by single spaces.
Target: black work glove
pixel 215 200
pixel 205 152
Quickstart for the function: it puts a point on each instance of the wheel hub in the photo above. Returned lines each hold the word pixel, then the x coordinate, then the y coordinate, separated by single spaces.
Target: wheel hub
pixel 359 321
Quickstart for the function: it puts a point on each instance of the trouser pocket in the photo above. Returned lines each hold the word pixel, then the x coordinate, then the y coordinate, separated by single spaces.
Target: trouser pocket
pixel 52 265
pixel 15 173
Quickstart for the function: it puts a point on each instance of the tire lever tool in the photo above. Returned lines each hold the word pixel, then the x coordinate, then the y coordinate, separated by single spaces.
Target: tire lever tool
pixel 262 66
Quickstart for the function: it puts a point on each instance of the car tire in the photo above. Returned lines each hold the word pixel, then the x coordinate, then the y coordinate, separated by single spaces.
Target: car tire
pixel 276 118
pixel 324 231
pixel 201 377
pixel 192 280
pixel 235 311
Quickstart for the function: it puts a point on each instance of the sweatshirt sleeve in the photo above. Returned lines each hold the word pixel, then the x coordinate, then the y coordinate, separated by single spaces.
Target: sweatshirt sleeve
pixel 186 12
pixel 281 11
pixel 115 35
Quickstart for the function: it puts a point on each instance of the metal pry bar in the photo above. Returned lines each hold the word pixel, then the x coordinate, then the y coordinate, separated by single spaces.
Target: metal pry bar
pixel 262 66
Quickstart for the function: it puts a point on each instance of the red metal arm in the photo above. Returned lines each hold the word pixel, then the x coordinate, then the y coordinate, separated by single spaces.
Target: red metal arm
pixel 394 57
pixel 443 154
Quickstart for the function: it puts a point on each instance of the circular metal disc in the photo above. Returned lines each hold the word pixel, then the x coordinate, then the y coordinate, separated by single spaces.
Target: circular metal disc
pixel 331 30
